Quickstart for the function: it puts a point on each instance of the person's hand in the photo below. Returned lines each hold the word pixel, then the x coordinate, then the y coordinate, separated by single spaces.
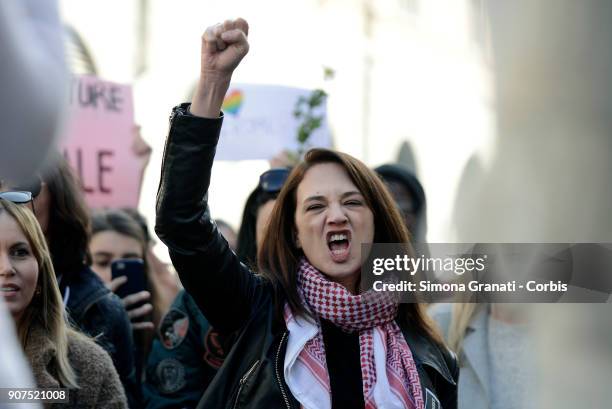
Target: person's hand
pixel 283 159
pixel 223 47
pixel 135 313
pixel 140 147
pixel 129 303
pixel 116 283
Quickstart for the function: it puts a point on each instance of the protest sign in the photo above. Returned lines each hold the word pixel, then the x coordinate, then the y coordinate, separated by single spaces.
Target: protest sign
pixel 98 142
pixel 259 122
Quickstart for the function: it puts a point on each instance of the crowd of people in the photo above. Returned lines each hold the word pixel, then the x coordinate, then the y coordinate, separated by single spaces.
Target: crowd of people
pixel 252 305
pixel 270 316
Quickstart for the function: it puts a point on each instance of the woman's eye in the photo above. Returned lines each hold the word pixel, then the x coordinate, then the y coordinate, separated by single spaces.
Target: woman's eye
pixel 353 203
pixel 21 252
pixel 102 264
pixel 314 207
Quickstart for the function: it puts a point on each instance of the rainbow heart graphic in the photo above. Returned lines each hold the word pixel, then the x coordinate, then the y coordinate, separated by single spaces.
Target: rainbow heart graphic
pixel 233 102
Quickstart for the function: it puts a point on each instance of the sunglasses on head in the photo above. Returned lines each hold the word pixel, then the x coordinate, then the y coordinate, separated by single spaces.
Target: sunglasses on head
pixel 18 197
pixel 272 181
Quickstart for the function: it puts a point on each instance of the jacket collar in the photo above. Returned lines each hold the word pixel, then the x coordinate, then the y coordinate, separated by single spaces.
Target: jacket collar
pixel 86 288
pixel 427 352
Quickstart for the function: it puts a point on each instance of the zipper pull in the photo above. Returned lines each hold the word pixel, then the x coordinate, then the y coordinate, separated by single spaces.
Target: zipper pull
pixel 176 111
pixel 246 375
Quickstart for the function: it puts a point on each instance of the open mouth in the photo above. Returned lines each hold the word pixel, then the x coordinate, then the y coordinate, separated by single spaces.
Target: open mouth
pixel 339 243
pixel 9 289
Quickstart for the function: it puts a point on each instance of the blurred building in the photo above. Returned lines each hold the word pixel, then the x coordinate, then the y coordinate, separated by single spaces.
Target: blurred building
pixel 407 72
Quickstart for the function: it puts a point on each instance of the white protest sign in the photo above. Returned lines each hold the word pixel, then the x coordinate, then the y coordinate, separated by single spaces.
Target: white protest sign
pixel 259 122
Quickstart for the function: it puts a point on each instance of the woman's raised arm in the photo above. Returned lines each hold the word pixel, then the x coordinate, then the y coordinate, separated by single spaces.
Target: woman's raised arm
pixel 224 289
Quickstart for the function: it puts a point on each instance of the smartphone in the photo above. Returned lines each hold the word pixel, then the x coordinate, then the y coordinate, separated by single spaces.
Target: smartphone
pixel 133 269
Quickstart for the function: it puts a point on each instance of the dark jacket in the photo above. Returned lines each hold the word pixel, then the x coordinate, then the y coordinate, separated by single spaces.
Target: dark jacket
pixel 234 299
pixel 185 357
pixel 99 313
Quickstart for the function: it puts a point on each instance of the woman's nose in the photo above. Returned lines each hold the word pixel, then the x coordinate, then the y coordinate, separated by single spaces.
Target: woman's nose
pixel 336 215
pixel 6 268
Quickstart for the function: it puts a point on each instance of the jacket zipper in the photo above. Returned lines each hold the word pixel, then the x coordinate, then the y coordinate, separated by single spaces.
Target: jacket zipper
pixel 243 381
pixel 280 384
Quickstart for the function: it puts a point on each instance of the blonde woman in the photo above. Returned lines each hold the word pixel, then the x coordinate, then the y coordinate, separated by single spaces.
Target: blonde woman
pixel 60 357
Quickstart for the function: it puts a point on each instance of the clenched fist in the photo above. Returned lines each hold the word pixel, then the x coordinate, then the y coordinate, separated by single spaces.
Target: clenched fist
pixel 223 47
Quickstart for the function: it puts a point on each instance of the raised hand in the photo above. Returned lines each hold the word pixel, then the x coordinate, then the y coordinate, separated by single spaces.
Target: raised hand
pixel 223 47
pixel 130 302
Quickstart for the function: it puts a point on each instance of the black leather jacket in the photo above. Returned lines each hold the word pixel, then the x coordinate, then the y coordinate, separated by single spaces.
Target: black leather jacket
pixel 233 298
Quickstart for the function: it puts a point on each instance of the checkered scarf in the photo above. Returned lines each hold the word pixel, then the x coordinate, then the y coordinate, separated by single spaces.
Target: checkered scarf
pixel 366 313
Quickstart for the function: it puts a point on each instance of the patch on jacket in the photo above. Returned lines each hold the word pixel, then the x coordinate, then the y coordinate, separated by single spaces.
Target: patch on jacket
pixel 173 328
pixel 213 349
pixel 431 400
pixel 170 375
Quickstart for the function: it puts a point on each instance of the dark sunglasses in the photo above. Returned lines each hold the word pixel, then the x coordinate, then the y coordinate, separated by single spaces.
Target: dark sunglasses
pixel 272 181
pixel 18 197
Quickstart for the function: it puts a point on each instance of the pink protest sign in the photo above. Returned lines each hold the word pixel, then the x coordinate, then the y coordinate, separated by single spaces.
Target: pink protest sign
pixel 98 142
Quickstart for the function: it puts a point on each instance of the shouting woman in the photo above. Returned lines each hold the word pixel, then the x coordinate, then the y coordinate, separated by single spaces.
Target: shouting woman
pixel 307 336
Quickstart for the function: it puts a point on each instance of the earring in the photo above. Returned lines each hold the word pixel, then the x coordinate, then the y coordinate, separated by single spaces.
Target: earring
pixel 37 292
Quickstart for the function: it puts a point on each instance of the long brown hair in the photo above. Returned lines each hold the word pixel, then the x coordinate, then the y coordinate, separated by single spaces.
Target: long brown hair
pixel 46 310
pixel 278 256
pixel 69 222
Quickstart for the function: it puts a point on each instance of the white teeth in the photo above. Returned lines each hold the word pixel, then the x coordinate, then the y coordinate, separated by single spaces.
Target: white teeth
pixel 7 289
pixel 336 237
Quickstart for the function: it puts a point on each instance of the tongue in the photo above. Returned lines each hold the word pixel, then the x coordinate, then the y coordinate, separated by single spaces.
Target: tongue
pixel 339 245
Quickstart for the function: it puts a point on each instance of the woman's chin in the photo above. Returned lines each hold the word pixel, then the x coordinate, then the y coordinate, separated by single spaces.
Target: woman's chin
pixel 342 273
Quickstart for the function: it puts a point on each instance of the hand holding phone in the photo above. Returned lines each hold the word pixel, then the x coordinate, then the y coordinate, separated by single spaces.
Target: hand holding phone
pixel 130 284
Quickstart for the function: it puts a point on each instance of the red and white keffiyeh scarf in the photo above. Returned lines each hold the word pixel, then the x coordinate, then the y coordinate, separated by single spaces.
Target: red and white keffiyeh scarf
pixel 388 370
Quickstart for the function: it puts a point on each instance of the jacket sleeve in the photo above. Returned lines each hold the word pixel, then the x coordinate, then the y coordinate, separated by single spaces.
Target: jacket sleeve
pixel 223 288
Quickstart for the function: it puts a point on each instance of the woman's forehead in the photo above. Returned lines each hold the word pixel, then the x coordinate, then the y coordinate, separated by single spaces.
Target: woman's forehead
pixel 9 228
pixel 114 238
pixel 325 179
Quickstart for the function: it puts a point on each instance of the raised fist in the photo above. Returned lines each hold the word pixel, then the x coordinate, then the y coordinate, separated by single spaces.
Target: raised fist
pixel 224 45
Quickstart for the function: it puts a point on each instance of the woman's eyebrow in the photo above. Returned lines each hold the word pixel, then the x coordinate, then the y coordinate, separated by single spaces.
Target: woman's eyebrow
pixel 351 193
pixel 314 198
pixel 102 254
